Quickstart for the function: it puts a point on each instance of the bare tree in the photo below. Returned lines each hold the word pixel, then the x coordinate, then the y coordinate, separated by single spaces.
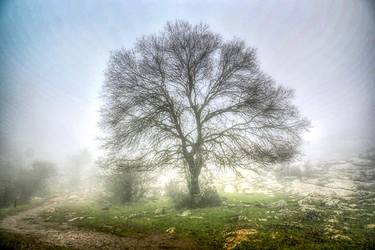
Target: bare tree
pixel 186 98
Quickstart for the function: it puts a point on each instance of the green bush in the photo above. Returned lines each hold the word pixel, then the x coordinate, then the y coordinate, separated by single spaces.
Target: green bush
pixel 181 198
pixel 126 186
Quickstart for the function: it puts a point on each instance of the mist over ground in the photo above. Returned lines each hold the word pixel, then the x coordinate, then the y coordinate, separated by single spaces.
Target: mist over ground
pixel 54 55
pixel 77 115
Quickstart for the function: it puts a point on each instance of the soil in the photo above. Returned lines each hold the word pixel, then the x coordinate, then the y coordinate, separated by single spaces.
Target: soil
pixel 28 223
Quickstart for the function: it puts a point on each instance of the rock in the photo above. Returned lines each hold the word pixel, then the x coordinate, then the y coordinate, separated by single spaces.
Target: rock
pixel 330 230
pixel 235 238
pixel 370 226
pixel 333 221
pixel 341 237
pixel 186 213
pixel 312 199
pixel 76 218
pixel 262 219
pixel 171 231
pixel 331 202
pixel 259 204
pixel 159 211
pixel 280 204
pixel 131 216
pixel 73 197
pixel 195 217
pixel 242 218
pixel 275 235
pixel 338 212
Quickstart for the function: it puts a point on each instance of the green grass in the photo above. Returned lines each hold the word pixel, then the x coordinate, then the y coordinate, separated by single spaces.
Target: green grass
pixel 276 229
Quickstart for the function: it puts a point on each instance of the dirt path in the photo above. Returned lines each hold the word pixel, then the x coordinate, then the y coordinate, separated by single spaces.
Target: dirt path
pixel 29 223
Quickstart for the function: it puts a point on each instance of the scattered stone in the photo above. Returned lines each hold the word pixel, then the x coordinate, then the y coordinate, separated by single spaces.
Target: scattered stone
pixel 275 235
pixel 329 229
pixel 76 218
pixel 73 197
pixel 171 231
pixel 242 218
pixel 370 226
pixel 311 199
pixel 186 213
pixel 280 204
pixel 341 237
pixel 333 221
pixel 235 238
pixel 329 202
pixel 195 217
pixel 259 204
pixel 338 212
pixel 131 216
pixel 262 219
pixel 159 211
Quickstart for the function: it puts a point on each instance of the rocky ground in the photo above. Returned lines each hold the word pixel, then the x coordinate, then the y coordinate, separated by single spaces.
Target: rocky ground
pixel 330 205
pixel 30 223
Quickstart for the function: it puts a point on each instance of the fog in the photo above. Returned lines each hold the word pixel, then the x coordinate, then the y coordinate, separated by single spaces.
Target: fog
pixel 54 54
pixel 56 60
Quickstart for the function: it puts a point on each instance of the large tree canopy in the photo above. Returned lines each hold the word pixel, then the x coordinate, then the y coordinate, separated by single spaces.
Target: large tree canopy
pixel 184 97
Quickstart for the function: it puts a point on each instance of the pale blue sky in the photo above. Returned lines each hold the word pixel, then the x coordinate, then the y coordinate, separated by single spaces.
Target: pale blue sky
pixel 53 55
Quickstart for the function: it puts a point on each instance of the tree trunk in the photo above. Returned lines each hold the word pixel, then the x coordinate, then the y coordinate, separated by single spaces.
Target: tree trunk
pixel 195 166
pixel 194 189
pixel 194 185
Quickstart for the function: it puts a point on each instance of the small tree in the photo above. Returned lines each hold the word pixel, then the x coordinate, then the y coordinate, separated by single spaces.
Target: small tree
pixel 124 182
pixel 185 98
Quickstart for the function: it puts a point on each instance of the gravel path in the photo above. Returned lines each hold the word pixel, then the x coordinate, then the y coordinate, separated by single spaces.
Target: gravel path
pixel 29 223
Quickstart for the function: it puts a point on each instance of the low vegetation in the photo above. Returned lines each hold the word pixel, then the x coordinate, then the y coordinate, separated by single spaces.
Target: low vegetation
pixel 19 184
pixel 242 222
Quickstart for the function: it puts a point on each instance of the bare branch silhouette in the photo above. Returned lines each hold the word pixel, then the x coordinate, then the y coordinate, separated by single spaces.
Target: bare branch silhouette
pixel 186 98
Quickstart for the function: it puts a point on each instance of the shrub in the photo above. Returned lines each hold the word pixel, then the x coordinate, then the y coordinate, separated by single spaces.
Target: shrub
pixel 20 184
pixel 210 198
pixel 182 199
pixel 126 186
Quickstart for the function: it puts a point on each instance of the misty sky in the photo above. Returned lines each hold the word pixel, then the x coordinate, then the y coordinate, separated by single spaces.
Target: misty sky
pixel 53 55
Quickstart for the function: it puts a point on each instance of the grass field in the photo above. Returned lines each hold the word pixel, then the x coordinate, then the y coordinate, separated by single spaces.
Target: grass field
pixel 243 222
